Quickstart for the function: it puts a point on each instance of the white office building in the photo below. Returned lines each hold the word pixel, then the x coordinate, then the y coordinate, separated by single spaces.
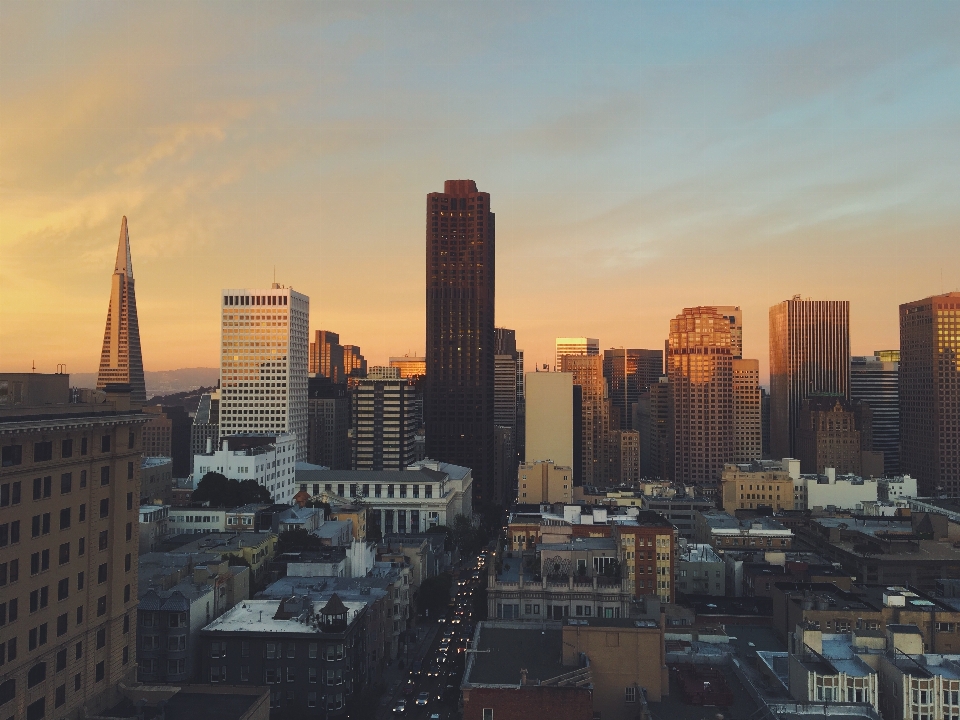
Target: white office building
pixel 829 491
pixel 269 460
pixel 264 353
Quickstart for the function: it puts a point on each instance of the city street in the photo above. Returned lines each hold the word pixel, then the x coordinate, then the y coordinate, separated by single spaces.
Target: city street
pixel 433 691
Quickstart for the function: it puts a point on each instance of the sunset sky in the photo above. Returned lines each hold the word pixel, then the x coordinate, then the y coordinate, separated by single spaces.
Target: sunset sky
pixel 641 157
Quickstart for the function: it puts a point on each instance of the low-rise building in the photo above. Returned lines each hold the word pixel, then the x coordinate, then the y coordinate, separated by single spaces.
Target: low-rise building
pixel 312 657
pixel 830 492
pixel 699 570
pixel 543 482
pixel 679 511
pixel 256 549
pixel 627 662
pixel 156 480
pixel 269 460
pixel 896 488
pixel 426 494
pixel 760 484
pixel 723 531
pixel 153 526
pixel 521 671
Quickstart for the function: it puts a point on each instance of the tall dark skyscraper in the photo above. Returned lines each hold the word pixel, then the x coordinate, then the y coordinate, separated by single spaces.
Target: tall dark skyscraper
pixel 120 360
pixel 930 393
pixel 628 373
pixel 459 397
pixel 809 355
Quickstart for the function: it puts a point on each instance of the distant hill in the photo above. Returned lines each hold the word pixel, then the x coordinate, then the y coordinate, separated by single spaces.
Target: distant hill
pixel 188 399
pixel 164 382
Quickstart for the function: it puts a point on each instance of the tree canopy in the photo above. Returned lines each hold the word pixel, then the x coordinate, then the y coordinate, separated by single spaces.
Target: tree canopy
pixel 219 491
pixel 297 540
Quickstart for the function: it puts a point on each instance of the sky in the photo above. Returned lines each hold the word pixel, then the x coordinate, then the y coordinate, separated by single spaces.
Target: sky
pixel 641 157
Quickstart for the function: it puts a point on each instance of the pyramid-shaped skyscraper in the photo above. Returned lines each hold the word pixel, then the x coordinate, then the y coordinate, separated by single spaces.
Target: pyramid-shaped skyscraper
pixel 121 361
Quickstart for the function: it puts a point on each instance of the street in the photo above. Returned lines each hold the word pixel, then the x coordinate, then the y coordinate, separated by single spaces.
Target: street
pixel 433 692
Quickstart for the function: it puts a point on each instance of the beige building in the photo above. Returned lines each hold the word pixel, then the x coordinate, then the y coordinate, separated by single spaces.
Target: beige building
pixel 157 433
pixel 543 482
pixel 156 480
pixel 627 657
pixel 748 486
pixel 69 499
pixel 747 429
pixel 549 419
pixel 627 442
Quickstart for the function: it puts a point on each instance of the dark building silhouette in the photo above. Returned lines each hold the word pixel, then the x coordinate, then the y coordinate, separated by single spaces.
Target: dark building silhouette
pixel 875 379
pixel 930 393
pixel 832 433
pixel 326 356
pixel 629 372
pixel 328 419
pixel 459 398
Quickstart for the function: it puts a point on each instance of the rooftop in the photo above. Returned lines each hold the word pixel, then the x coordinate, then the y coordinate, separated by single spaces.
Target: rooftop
pixel 606 543
pixel 697 553
pixel 190 703
pixel 719 520
pixel 149 462
pixel 258 616
pixel 506 648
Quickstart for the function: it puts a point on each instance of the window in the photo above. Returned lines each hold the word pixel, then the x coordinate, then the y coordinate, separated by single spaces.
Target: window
pixel 76 681
pixel 177 620
pixel 104 507
pixel 176 667
pixel 311 699
pixel 131 441
pixel 126 655
pixel 101 606
pixel 64 553
pixel 11 455
pixel 129 471
pixel 83 478
pixel 99 671
pixel 105 475
pixel 291 674
pixel 80 580
pixel 80 615
pixel 82 514
pixel 63 589
pixel 66 483
pixel 245 648
pixel 42 451
pixel 126 624
pixel 129 501
pixel 244 673
pixel 272 651
pixel 105 443
pixel 102 540
pixel 129 531
pixel 79 650
pixel 65 518
pixel 36 710
pixel 312 674
pixel 66 448
pixel 488 714
pixel 102 574
pixel 312 650
pixel 36 675
pixel 101 638
pixel 218 673
pixel 62 625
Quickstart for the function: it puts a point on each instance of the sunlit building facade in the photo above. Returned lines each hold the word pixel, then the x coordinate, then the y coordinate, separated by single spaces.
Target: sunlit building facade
pixel 700 369
pixel 747 430
pixel 263 363
pixel 575 346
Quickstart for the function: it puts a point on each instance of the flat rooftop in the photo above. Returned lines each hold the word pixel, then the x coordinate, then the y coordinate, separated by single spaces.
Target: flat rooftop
pixel 188 704
pixel 504 648
pixel 258 616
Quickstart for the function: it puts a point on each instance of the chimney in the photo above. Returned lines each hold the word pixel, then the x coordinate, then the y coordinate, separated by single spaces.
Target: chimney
pixel 523 676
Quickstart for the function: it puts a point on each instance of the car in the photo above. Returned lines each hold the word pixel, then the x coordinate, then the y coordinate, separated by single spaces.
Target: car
pixel 434 716
pixel 409 688
pixel 400 707
pixel 423 698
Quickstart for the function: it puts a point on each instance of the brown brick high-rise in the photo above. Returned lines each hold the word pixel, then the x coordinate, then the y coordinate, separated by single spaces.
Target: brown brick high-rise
pixel 458 401
pixel 930 393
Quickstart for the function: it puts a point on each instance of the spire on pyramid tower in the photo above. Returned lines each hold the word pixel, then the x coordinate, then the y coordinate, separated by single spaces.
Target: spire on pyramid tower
pixel 124 264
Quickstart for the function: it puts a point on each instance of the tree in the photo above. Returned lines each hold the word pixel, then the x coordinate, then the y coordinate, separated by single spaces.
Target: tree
pixel 374 533
pixel 220 491
pixel 448 536
pixel 434 594
pixel 465 536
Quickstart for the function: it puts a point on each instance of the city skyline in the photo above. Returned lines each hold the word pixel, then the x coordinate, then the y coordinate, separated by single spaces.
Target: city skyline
pixel 812 177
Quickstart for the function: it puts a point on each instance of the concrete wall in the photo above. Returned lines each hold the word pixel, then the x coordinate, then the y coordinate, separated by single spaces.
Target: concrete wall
pixel 549 429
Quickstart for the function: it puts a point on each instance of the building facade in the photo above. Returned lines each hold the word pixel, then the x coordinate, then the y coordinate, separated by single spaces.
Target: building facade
pixel 383 421
pixel 206 423
pixel 544 482
pixel 263 363
pixel 828 436
pixel 700 368
pixel 157 433
pixel 268 460
pixel 629 372
pixel 809 354
pixel 930 393
pixel 328 423
pixel 69 495
pixel 752 486
pixel 598 461
pixel 652 421
pixel 877 383
pixel 460 282
pixel 410 366
pixel 549 418
pixel 747 430
pixel 575 346
pixel 121 360
pixel 326 356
